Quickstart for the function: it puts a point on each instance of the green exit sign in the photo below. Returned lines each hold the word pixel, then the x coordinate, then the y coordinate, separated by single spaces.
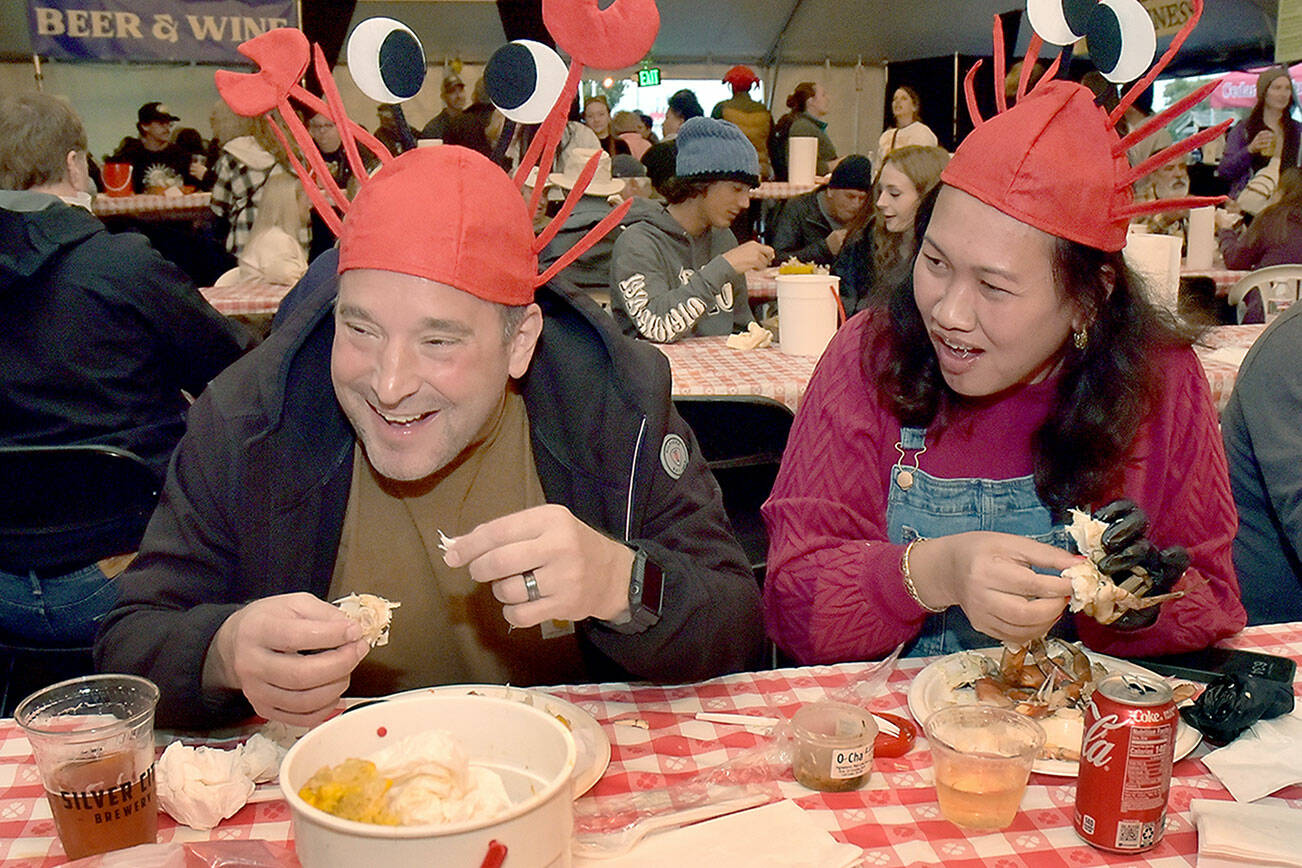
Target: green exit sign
pixel 648 77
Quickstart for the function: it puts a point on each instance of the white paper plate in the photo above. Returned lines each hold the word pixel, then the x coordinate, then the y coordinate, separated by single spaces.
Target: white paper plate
pixel 930 691
pixel 593 745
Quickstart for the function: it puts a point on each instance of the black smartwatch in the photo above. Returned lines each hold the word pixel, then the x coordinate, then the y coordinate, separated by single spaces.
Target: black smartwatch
pixel 645 594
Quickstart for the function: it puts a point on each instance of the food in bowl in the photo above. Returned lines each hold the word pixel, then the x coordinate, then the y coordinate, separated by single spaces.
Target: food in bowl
pixel 796 266
pixel 372 612
pixel 421 779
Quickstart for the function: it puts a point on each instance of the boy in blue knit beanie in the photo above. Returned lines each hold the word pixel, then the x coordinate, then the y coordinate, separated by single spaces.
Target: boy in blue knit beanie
pixel 677 270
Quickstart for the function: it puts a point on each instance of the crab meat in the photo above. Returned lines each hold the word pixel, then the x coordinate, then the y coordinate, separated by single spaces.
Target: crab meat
pixel 372 612
pixel 1103 600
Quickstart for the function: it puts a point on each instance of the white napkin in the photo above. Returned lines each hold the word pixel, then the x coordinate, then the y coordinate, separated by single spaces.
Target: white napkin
pixel 1232 834
pixel 202 786
pixel 1264 759
pixel 780 835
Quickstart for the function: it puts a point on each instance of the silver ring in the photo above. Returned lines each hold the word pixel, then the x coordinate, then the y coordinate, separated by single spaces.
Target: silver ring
pixel 531 586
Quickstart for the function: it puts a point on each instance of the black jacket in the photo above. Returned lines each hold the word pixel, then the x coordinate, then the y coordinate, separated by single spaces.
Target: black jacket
pixel 101 333
pixel 254 502
pixel 801 230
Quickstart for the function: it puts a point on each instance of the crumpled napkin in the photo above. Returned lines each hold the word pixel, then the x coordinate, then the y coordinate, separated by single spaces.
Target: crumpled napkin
pixel 779 835
pixel 755 337
pixel 1264 759
pixel 1233 834
pixel 201 786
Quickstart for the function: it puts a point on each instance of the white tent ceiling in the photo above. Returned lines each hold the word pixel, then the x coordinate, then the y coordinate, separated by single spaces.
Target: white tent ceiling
pixel 789 31
pixel 810 31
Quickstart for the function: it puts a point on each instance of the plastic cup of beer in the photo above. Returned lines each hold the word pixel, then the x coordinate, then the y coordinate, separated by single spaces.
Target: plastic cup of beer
pixel 982 758
pixel 93 739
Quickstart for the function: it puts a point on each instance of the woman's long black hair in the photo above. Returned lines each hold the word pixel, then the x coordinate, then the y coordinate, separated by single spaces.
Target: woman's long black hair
pixel 1104 391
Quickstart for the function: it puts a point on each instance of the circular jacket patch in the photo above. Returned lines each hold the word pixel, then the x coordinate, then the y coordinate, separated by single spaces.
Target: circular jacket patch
pixel 673 455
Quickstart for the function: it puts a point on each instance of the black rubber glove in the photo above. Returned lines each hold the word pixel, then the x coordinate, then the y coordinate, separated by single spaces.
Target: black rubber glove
pixel 1127 552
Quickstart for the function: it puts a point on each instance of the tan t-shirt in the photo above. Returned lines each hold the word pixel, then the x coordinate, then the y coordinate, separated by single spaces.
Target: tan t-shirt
pixel 450 629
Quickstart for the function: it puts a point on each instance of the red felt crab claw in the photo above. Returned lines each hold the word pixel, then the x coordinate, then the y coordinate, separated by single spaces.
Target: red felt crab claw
pixel 281 55
pixel 611 38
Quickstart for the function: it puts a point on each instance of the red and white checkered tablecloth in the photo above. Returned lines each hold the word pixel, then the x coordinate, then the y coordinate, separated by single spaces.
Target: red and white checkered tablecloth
pixel 706 366
pixel 895 819
pixel 762 284
pixel 247 298
pixel 780 190
pixel 182 207
pixel 1222 355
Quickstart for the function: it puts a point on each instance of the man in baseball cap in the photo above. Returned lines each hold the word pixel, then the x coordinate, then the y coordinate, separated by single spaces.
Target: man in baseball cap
pixel 812 227
pixel 429 425
pixel 453 92
pixel 156 161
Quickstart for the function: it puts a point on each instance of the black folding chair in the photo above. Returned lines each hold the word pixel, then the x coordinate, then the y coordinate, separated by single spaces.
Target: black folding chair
pixel 741 439
pixel 64 506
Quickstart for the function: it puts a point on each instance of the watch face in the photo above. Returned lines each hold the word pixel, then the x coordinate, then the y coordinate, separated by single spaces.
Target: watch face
pixel 652 587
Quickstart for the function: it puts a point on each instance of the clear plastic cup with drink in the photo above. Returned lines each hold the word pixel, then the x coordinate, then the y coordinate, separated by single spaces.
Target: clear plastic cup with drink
pixel 93 739
pixel 982 758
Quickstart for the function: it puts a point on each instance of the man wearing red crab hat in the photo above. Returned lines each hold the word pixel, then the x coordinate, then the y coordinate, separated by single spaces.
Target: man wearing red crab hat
pixel 432 425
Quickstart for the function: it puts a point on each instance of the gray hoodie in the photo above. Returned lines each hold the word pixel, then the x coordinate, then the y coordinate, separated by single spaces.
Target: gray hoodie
pixel 668 285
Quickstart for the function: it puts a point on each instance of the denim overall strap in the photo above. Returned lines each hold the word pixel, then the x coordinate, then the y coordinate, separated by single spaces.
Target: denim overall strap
pixel 921 505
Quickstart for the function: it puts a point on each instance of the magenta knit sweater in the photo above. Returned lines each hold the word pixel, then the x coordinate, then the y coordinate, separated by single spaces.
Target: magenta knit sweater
pixel 833 590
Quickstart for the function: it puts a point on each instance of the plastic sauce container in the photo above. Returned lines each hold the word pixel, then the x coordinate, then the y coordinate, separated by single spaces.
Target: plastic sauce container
pixel 834 746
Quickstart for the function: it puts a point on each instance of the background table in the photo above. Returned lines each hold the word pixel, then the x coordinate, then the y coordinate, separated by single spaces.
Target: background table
pixel 895 819
pixel 780 190
pixel 148 207
pixel 1221 353
pixel 246 298
pixel 706 366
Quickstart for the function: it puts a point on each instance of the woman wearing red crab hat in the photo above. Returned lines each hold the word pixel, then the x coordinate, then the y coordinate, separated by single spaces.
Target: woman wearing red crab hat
pixel 1022 373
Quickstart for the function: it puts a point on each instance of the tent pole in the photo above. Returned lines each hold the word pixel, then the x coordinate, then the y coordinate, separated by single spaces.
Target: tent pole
pixel 40 77
pixel 953 129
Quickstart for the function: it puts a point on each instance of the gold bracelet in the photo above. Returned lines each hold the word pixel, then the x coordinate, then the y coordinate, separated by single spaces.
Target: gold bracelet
pixel 908 576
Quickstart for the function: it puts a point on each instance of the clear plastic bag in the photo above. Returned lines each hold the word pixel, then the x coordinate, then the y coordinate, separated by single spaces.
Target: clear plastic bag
pixel 202 854
pixel 605 825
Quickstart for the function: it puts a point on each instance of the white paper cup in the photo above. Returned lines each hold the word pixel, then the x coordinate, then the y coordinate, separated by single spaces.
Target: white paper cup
pixel 806 312
pixel 802 159
pixel 1202 237
pixel 1157 260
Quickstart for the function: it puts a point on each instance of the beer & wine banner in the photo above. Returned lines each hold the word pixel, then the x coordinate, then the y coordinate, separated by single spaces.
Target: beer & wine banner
pixel 201 31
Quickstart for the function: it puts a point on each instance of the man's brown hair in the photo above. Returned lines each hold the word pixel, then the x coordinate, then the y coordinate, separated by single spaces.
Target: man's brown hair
pixel 36 133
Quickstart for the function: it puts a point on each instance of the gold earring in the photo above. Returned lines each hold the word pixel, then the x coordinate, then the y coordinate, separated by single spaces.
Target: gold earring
pixel 1081 339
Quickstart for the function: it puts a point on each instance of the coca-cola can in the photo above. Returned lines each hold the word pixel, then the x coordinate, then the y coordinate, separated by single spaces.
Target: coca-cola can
pixel 1125 763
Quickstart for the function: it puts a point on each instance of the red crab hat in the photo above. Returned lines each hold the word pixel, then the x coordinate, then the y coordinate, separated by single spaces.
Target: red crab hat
pixel 447 214
pixel 1054 160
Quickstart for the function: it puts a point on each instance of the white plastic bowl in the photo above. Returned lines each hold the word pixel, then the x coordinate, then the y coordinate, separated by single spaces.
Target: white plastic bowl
pixel 532 751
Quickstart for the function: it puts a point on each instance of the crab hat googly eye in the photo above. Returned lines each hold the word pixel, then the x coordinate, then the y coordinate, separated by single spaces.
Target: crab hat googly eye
pixel 1059 22
pixel 1122 40
pixel 1130 42
pixel 386 60
pixel 524 79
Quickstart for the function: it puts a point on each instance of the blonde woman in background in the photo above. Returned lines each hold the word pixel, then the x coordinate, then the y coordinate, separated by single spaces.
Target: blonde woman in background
pixel 880 242
pixel 241 172
pixel 276 251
